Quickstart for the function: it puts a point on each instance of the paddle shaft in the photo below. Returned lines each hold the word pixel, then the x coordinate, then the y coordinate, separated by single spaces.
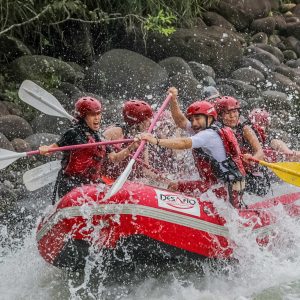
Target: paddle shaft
pixel 153 123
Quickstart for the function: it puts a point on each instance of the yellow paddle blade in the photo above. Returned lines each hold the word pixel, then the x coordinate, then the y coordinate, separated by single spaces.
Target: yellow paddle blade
pixel 286 171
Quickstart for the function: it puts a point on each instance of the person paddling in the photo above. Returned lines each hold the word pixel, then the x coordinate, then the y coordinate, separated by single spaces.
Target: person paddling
pixel 215 150
pixel 137 115
pixel 257 179
pixel 84 166
pixel 274 149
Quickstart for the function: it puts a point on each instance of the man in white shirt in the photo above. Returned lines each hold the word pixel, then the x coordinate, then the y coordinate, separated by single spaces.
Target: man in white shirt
pixel 215 150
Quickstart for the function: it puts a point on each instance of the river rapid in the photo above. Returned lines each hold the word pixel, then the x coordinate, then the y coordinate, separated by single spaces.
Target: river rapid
pixel 261 274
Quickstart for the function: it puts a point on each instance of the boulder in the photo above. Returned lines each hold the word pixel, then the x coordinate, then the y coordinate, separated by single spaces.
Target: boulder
pixel 5 143
pixel 217 47
pixel 50 124
pixel 248 75
pixel 15 127
pixel 242 13
pixel 201 71
pixel 20 145
pixel 3 109
pixel 214 19
pixel 276 100
pixel 189 88
pixel 255 64
pixel 12 48
pixel 42 68
pixel 266 25
pixel 38 139
pixel 125 74
pixel 176 65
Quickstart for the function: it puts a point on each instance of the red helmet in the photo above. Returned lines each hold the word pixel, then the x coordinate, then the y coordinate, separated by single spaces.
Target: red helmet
pixel 136 111
pixel 260 116
pixel 226 103
pixel 201 108
pixel 85 105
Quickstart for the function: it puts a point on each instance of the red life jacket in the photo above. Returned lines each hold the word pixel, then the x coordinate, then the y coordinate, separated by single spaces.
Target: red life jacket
pixel 270 154
pixel 86 163
pixel 245 147
pixel 210 169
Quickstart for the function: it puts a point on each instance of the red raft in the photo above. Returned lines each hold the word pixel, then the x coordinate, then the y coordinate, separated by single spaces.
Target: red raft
pixel 146 223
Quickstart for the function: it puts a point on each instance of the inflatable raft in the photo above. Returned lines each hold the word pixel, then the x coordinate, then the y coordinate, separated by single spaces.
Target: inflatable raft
pixel 145 223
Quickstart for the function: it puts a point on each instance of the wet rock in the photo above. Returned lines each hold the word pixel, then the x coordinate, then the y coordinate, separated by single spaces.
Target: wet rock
pixel 201 70
pixel 281 83
pixel 294 63
pixel 5 143
pixel 42 68
pixel 3 109
pixel 213 19
pixel 265 57
pixel 294 29
pixel 274 40
pixel 125 74
pixel 242 13
pixel 280 23
pixel 13 108
pixel 241 88
pixel 63 99
pixel 255 64
pixel 276 100
pixel 15 127
pixel 266 25
pixel 176 65
pixel 260 37
pixel 20 145
pixel 189 88
pixel 293 74
pixel 208 81
pixel 248 75
pixel 39 139
pixel 50 124
pixel 12 48
pixel 226 89
pixel 215 46
pixel 289 55
pixel 292 44
pixel 271 49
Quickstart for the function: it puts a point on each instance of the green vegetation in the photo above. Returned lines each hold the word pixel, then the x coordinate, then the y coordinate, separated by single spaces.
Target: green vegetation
pixel 21 18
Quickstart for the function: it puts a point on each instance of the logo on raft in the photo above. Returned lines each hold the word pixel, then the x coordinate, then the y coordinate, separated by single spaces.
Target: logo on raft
pixel 178 202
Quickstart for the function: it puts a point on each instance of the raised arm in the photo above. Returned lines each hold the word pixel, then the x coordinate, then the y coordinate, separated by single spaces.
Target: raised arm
pixel 179 118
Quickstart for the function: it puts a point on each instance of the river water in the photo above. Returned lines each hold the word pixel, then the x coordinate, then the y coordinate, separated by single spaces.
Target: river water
pixel 261 274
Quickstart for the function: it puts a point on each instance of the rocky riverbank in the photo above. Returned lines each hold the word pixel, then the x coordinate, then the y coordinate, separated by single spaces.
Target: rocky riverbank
pixel 247 49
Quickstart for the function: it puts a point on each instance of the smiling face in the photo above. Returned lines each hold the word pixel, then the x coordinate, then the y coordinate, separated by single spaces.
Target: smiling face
pixel 199 122
pixel 230 118
pixel 93 120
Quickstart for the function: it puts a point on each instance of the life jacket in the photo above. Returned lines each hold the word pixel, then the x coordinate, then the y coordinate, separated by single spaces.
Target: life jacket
pixel 86 163
pixel 210 169
pixel 245 147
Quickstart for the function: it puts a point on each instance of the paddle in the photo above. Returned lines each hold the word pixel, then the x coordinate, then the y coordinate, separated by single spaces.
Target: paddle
pixel 286 171
pixel 40 99
pixel 7 157
pixel 42 175
pixel 123 177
